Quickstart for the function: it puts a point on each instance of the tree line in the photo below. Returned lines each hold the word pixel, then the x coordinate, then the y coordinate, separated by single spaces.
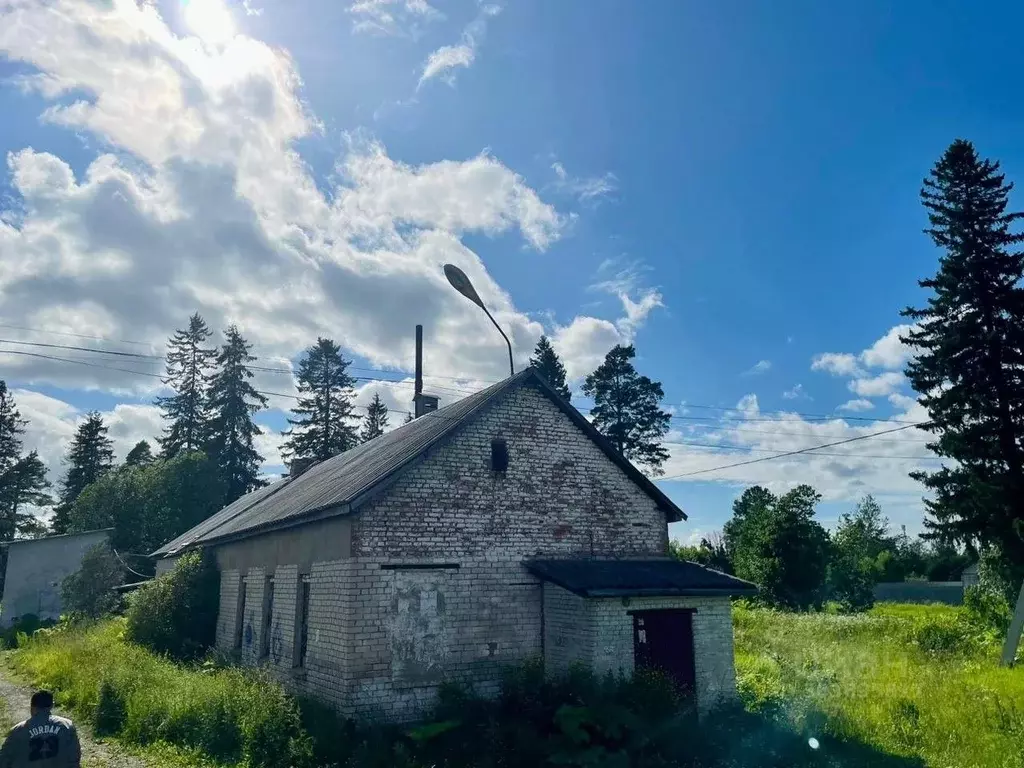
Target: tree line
pixel 775 541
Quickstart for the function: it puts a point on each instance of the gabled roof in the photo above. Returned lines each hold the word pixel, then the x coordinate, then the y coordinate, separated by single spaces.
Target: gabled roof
pixel 661 577
pixel 342 483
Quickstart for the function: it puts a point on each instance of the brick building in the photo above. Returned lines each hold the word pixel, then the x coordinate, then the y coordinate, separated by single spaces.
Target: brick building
pixel 500 527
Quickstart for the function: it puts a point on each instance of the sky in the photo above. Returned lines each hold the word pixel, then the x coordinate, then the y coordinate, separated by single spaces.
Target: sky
pixel 731 187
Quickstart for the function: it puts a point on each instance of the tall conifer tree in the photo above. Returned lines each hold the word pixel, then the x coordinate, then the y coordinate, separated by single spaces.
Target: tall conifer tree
pixel 968 342
pixel 322 426
pixel 232 402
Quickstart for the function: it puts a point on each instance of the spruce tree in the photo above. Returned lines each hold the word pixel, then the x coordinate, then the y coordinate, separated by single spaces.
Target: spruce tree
pixel 232 402
pixel 376 420
pixel 90 456
pixel 189 361
pixel 546 361
pixel 322 427
pixel 23 481
pixel 140 455
pixel 627 409
pixel 969 345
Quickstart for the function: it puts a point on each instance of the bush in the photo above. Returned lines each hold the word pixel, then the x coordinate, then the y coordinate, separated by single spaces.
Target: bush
pixel 110 714
pixel 24 626
pixel 89 592
pixel 176 613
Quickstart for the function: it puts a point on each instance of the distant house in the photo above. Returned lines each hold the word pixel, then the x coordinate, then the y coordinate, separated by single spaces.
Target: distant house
pixel 500 527
pixel 35 570
pixel 971 575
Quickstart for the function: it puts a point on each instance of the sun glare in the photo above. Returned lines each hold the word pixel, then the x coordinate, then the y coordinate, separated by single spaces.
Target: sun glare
pixel 209 20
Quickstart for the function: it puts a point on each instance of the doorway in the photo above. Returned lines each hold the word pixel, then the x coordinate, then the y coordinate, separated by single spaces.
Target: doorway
pixel 663 641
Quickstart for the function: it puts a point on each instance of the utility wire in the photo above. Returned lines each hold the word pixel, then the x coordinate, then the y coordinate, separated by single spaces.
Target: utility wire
pixel 128 567
pixel 778 454
pixel 119 353
pixel 791 453
pixel 714 422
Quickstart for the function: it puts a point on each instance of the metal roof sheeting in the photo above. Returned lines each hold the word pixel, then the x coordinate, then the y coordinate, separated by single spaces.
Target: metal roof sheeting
pixel 637 578
pixel 346 478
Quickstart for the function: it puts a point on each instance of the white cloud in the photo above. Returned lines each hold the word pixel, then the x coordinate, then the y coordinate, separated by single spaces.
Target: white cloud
pixel 838 364
pixel 761 366
pixel 878 465
pixel 583 343
pixel 52 424
pixel 443 62
pixel 857 405
pixel 877 386
pixel 636 312
pixel 796 393
pixel 888 352
pixel 404 18
pixel 588 189
pixel 200 202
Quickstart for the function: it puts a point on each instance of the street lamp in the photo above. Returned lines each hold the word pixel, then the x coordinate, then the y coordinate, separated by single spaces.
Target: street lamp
pixel 461 284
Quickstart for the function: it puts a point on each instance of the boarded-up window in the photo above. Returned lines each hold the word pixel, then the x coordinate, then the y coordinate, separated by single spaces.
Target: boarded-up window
pixel 419 640
pixel 240 614
pixel 303 621
pixel 268 618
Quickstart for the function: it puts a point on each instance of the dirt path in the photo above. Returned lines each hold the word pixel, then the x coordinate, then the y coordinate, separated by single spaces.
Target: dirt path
pixel 95 754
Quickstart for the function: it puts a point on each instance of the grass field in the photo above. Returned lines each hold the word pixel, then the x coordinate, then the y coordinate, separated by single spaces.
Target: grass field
pixel 909 680
pixel 900 687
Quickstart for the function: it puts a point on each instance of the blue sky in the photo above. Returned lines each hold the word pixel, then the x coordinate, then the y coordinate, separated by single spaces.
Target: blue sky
pixel 733 187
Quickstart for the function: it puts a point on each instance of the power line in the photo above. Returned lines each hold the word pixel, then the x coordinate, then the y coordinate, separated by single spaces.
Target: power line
pixel 454 390
pixel 777 454
pixel 791 453
pixel 751 449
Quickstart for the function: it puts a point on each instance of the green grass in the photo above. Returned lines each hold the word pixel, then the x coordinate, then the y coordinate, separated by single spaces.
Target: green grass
pixel 201 716
pixel 901 686
pixel 909 680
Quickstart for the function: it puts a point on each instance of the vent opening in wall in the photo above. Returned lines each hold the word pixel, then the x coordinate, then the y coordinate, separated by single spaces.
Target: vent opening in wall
pixel 499 455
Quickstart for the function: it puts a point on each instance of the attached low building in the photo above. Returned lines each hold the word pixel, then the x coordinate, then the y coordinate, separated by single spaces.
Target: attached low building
pixel 498 528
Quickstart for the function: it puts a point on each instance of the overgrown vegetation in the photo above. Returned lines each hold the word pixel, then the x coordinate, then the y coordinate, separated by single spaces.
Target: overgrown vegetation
pixel 176 613
pixel 909 680
pixel 89 592
pixel 241 717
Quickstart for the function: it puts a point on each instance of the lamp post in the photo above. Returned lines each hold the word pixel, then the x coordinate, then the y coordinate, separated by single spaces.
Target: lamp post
pixel 461 284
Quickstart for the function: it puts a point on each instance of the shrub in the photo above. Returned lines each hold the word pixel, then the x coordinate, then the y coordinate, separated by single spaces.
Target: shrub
pixel 109 717
pixel 89 592
pixel 988 609
pixel 24 626
pixel 176 613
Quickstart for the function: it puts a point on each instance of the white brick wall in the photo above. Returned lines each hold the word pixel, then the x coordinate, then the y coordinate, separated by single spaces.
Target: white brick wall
pixel 380 638
pixel 599 632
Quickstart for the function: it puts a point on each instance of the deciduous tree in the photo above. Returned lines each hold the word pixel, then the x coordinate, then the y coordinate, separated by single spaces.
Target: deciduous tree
pixel 776 543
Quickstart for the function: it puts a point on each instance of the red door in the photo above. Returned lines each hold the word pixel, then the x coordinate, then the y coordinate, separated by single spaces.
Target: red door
pixel 663 640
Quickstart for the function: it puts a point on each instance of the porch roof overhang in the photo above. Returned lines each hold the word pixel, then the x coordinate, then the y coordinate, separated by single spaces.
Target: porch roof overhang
pixel 661 577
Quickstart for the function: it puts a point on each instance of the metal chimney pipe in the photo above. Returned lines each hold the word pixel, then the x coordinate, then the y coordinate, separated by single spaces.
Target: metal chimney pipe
pixel 417 398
